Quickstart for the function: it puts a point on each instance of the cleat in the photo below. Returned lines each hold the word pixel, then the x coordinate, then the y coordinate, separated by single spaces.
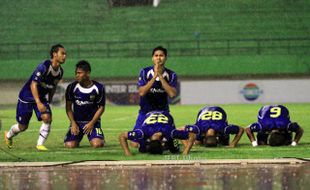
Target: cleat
pixel 8 142
pixel 41 148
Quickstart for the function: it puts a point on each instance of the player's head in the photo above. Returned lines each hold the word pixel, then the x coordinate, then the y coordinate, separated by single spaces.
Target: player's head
pixel 154 146
pixel 82 71
pixel 211 138
pixel 277 138
pixel 159 55
pixel 58 52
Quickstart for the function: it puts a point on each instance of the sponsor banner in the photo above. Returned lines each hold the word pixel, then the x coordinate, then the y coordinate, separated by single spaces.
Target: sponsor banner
pixel 245 91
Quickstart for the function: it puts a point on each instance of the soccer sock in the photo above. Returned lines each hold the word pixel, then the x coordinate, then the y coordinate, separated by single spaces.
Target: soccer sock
pixel 13 131
pixel 44 131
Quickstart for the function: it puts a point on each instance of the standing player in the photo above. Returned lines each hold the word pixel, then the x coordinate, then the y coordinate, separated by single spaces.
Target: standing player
pixel 155 84
pixel 156 126
pixel 211 128
pixel 32 96
pixel 274 120
pixel 85 103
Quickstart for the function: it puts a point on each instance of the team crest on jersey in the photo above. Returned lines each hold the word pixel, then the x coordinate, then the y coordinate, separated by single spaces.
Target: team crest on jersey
pixel 92 97
pixel 38 74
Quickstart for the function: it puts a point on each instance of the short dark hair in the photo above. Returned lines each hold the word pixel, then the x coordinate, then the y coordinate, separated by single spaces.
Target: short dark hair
pixel 211 141
pixel 161 49
pixel 54 49
pixel 84 65
pixel 155 147
pixel 277 139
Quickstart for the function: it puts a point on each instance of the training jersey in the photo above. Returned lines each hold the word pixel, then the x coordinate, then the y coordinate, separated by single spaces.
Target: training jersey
pixel 47 79
pixel 86 101
pixel 157 98
pixel 212 117
pixel 272 117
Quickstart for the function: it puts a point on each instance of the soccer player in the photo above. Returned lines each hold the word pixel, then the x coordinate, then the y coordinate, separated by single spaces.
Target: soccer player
pixel 274 121
pixel 85 103
pixel 155 84
pixel 157 127
pixel 32 96
pixel 212 128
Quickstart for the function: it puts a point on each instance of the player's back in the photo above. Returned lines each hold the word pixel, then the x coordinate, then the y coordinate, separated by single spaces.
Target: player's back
pixel 274 117
pixel 158 121
pixel 212 116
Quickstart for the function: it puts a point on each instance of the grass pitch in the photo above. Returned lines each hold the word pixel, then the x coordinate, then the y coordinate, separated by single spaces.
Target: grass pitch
pixel 117 119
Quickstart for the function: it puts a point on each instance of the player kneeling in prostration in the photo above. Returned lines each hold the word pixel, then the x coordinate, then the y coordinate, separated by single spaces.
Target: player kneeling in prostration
pixel 274 123
pixel 156 132
pixel 211 128
pixel 85 103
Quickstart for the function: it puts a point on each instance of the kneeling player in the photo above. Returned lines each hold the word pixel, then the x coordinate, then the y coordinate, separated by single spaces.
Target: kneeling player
pixel 211 128
pixel 85 103
pixel 274 123
pixel 157 127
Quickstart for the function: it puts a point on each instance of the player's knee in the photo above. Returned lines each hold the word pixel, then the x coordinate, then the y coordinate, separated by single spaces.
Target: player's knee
pixel 22 127
pixel 46 118
pixel 71 144
pixel 97 143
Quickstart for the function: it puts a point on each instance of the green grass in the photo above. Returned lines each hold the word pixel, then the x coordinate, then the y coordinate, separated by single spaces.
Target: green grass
pixel 122 118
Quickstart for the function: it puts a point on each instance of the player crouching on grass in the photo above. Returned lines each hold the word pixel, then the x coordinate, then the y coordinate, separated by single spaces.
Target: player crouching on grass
pixel 157 127
pixel 211 128
pixel 85 103
pixel 274 123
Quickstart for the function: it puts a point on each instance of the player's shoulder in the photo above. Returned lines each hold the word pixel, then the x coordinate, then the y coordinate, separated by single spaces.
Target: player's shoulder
pixel 98 84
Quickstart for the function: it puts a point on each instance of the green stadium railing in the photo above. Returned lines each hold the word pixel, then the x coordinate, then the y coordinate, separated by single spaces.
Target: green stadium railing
pixel 199 47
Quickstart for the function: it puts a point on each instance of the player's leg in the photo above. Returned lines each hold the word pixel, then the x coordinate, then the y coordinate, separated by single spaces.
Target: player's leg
pixel 23 116
pixel 138 125
pixel 45 127
pixel 73 141
pixel 96 137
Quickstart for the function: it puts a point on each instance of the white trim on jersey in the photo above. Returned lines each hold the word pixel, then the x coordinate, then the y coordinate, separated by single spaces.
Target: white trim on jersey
pixel 54 73
pixel 86 90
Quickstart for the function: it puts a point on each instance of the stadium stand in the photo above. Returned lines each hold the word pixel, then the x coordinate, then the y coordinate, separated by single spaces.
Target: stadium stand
pixel 203 33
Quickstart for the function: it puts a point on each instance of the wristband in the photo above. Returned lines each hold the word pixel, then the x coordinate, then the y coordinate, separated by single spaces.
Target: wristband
pixel 254 143
pixel 294 143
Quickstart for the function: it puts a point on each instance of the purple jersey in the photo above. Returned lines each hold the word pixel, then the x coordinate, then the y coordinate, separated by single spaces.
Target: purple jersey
pixel 272 117
pixel 47 79
pixel 86 101
pixel 157 98
pixel 154 122
pixel 212 117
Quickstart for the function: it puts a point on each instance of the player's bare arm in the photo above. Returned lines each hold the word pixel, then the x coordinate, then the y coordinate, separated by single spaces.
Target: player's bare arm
pixel 298 134
pixel 35 93
pixel 251 136
pixel 171 91
pixel 237 137
pixel 90 125
pixel 190 142
pixel 74 126
pixel 124 144
pixel 144 89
